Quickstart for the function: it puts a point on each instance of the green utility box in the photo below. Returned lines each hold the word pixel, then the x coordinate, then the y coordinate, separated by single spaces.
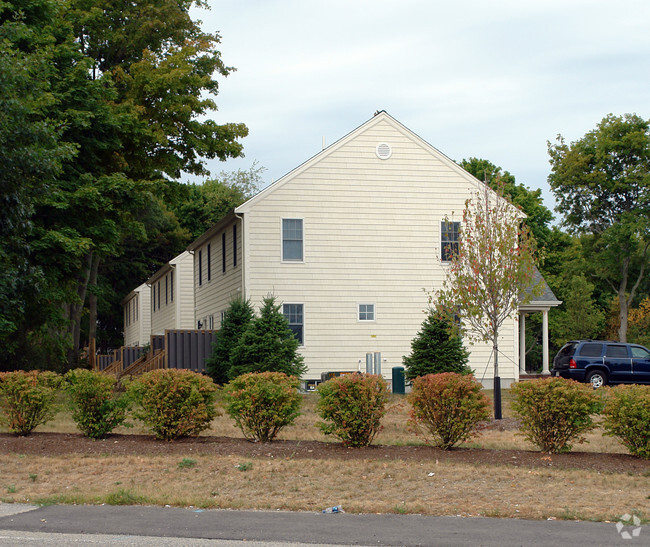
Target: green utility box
pixel 398 380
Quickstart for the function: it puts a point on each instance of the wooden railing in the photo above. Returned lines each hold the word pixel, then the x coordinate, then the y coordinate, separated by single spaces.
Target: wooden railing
pixel 114 368
pixel 146 363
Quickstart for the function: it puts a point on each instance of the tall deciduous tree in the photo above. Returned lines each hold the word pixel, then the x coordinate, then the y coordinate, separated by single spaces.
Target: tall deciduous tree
pixel 602 185
pixel 129 86
pixel 488 276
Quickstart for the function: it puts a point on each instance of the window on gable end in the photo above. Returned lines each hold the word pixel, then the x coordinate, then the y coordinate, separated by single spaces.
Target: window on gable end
pixel 292 239
pixel 449 239
pixel 366 312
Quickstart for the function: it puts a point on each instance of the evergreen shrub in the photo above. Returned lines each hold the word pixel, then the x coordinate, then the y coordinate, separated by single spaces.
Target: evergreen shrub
pixel 447 407
pixel 238 317
pixel 555 412
pixel 267 345
pixel 353 406
pixel 627 417
pixel 174 403
pixel 436 348
pixel 96 407
pixel 262 403
pixel 28 399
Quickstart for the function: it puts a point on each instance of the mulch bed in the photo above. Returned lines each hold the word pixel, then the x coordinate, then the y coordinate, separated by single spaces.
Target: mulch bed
pixel 56 444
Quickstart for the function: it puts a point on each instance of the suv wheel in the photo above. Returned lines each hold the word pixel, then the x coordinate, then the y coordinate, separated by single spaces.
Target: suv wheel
pixel 597 378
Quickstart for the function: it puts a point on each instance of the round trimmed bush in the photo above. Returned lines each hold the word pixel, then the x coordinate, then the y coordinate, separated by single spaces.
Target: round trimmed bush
pixel 174 403
pixel 627 417
pixel 262 403
pixel 353 406
pixel 28 399
pixel 555 412
pixel 96 408
pixel 447 407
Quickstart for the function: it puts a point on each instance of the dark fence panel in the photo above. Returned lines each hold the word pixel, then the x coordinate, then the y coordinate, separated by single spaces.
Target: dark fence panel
pixel 104 360
pixel 189 349
pixel 157 342
pixel 130 354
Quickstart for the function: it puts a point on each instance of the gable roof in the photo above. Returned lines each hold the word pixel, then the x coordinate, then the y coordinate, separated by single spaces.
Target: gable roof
pixel 379 117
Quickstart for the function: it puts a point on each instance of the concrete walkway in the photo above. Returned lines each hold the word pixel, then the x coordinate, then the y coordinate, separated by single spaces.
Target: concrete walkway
pixel 137 525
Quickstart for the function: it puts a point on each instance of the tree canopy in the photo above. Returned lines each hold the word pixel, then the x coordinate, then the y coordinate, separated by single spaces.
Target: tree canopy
pixel 602 184
pixel 104 104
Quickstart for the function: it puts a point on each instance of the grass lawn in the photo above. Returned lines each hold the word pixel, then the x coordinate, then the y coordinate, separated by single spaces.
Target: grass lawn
pixel 364 485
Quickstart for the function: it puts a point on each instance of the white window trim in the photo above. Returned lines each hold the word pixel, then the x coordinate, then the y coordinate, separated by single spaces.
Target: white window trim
pixel 304 321
pixel 442 260
pixel 374 312
pixel 282 259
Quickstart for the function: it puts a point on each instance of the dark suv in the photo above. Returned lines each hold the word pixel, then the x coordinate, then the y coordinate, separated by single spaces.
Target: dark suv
pixel 602 362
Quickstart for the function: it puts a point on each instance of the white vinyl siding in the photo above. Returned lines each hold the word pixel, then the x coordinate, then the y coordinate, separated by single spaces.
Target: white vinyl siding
pixel 138 330
pixel 214 297
pixel 178 313
pixel 371 234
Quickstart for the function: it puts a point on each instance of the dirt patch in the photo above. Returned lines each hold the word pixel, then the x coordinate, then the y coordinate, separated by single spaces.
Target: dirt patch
pixel 56 444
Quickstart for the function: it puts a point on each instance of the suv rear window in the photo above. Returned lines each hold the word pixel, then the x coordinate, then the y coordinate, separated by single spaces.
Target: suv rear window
pixel 591 350
pixel 567 350
pixel 616 351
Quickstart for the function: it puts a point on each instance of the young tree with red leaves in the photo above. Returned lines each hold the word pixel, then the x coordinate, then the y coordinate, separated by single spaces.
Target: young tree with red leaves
pixel 491 272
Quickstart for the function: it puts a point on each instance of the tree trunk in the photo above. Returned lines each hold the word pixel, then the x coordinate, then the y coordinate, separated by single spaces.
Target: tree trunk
pixel 76 310
pixel 92 312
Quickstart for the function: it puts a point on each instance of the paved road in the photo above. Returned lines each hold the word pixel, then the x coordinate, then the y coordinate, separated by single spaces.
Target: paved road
pixel 162 526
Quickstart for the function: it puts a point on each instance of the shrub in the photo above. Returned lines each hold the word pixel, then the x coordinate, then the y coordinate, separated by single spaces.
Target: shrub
pixel 627 416
pixel 96 408
pixel 448 406
pixel 555 412
pixel 267 345
pixel 237 319
pixel 435 349
pixel 28 399
pixel 262 403
pixel 353 405
pixel 174 403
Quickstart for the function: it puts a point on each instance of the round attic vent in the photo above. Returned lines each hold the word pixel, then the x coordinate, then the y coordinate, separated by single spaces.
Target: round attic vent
pixel 383 151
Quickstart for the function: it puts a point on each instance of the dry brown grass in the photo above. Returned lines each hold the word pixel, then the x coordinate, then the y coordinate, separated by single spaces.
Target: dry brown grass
pixel 368 486
pixel 360 486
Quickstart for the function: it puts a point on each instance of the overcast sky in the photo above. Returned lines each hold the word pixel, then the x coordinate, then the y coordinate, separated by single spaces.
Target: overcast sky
pixel 486 79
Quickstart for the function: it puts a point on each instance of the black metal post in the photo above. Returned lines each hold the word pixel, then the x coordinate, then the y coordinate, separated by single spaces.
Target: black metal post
pixel 497 398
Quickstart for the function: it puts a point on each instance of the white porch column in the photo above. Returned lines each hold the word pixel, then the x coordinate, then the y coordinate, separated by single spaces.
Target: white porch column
pixel 522 342
pixel 545 369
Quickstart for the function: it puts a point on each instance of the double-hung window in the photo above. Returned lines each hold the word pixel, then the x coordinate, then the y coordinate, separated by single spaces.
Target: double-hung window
pixel 449 242
pixel 295 316
pixel 292 240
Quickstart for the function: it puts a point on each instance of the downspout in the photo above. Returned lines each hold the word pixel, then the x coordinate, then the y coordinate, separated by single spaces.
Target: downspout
pixel 243 257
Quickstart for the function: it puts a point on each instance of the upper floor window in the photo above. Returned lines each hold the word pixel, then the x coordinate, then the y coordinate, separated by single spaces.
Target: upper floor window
pixel 171 286
pixel 292 246
pixel 449 241
pixel 234 246
pixel 366 312
pixel 295 316
pixel 200 266
pixel 209 264
pixel 223 252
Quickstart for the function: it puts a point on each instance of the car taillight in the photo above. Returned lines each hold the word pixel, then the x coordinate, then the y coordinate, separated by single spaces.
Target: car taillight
pixel 573 364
